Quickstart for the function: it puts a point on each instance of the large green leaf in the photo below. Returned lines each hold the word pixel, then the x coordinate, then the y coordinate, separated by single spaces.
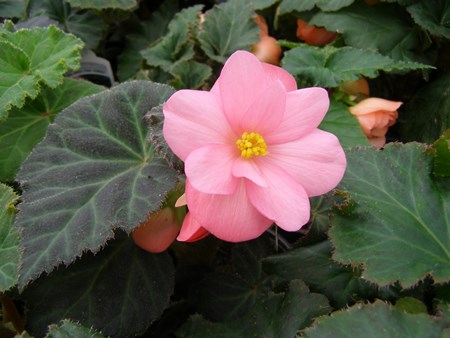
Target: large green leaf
pixel 400 225
pixel 9 239
pixel 119 291
pixel 175 47
pixel 102 4
pixel 344 125
pixel 93 172
pixel 147 32
pixel 385 27
pixel 434 16
pixel 228 296
pixel 288 6
pixel 228 27
pixel 342 285
pixel 329 66
pixel 68 328
pixel 12 8
pixel 378 320
pixel 85 24
pixel 26 126
pixel 279 315
pixel 427 115
pixel 29 57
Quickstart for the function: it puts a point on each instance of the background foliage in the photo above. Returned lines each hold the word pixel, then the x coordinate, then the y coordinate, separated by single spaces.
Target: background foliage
pixel 82 165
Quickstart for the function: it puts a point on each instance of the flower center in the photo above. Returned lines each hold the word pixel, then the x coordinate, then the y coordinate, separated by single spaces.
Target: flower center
pixel 251 144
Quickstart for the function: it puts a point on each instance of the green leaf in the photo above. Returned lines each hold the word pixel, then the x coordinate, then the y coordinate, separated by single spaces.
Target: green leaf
pixel 385 27
pixel 31 57
pixel 130 60
pixel 433 16
pixel 262 4
pixel 288 6
pixel 344 125
pixel 190 74
pixel 12 8
pixel 329 66
pixel 427 116
pixel 102 4
pixel 441 149
pixel 279 315
pixel 83 23
pixel 175 47
pixel 93 172
pixel 9 238
pixel 68 328
pixel 26 126
pixel 399 227
pixel 229 296
pixel 377 320
pixel 118 291
pixel 228 27
pixel 342 285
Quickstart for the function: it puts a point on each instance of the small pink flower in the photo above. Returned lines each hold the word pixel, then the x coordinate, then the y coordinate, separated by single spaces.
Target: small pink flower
pixel 375 116
pixel 252 151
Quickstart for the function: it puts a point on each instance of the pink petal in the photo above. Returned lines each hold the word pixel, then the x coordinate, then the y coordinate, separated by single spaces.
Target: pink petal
pixel 373 104
pixel 240 83
pixel 284 201
pixel 229 217
pixel 305 109
pixel 209 169
pixel 316 161
pixel 274 73
pixel 191 230
pixel 192 119
pixel 266 112
pixel 249 169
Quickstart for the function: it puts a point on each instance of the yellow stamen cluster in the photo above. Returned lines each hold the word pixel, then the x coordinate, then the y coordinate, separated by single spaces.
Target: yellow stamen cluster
pixel 252 144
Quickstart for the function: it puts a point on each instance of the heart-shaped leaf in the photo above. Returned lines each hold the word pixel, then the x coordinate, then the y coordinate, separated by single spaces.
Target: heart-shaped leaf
pixel 93 172
pixel 119 291
pixel 278 315
pixel 375 321
pixel 329 66
pixel 433 16
pixel 26 126
pixel 228 27
pixel 385 27
pixel 68 328
pixel 9 239
pixel 399 227
pixel 29 57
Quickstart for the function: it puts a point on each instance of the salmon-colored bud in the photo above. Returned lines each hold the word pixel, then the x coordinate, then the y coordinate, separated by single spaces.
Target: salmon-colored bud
pixel 356 87
pixel 158 232
pixel 267 50
pixel 375 116
pixel 313 35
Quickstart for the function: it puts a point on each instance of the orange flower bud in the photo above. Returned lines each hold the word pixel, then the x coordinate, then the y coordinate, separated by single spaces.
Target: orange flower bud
pixel 266 50
pixel 356 87
pixel 313 35
pixel 375 116
pixel 158 232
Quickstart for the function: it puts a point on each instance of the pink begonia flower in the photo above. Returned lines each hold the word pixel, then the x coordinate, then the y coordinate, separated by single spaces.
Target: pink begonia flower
pixel 252 151
pixel 375 116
